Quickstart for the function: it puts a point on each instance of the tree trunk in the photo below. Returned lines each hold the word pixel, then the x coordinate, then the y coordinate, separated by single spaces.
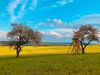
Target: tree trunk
pixel 18 49
pixel 83 47
pixel 83 51
pixel 17 53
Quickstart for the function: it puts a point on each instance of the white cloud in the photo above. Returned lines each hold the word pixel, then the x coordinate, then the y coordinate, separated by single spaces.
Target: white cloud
pixel 40 24
pixel 57 21
pixel 59 28
pixel 99 32
pixel 51 33
pixel 54 34
pixel 99 35
pixel 58 3
pixel 11 8
pixel 58 33
pixel 93 19
pixel 33 5
pixel 69 35
pixel 54 23
pixel 3 34
pixel 43 32
pixel 22 9
pixel 66 30
pixel 62 3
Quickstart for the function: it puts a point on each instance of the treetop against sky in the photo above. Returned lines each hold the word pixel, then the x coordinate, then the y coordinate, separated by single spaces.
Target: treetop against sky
pixel 56 19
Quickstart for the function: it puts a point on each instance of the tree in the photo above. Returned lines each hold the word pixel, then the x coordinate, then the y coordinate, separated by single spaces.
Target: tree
pixel 21 35
pixel 86 34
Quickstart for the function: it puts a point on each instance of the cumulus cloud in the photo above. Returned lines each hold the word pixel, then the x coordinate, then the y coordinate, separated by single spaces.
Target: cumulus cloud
pixel 65 32
pixel 54 23
pixel 93 19
pixel 54 34
pixel 58 33
pixel 69 35
pixel 57 21
pixel 3 35
pixel 66 29
pixel 59 28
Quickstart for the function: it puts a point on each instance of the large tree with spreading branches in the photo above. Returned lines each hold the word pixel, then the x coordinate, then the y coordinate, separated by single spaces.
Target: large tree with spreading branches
pixel 86 34
pixel 21 35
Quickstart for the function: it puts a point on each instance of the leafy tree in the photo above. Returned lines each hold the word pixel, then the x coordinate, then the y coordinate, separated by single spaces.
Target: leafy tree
pixel 21 35
pixel 87 34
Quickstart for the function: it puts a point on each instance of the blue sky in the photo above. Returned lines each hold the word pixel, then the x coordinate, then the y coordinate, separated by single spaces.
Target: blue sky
pixel 56 19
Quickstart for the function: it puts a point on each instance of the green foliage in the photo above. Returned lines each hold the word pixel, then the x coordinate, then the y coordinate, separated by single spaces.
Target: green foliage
pixel 51 65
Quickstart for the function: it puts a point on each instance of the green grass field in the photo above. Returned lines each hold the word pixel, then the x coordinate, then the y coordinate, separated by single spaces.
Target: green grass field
pixel 88 64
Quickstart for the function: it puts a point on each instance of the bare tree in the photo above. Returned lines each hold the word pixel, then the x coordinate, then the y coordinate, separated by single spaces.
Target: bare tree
pixel 87 34
pixel 21 35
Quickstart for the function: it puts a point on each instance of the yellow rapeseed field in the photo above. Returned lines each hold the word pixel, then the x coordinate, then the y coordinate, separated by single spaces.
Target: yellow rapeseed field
pixel 37 50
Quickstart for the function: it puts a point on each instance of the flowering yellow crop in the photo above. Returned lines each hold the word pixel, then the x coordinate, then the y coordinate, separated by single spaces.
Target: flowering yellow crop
pixel 34 50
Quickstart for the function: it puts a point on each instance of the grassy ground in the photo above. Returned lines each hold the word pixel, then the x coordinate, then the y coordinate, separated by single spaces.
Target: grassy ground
pixel 88 64
pixel 41 62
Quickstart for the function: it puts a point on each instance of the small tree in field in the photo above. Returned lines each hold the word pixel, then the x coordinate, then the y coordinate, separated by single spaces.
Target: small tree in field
pixel 87 34
pixel 21 35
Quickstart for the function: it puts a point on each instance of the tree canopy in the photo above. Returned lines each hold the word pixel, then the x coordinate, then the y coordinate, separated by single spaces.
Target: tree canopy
pixel 86 34
pixel 20 35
